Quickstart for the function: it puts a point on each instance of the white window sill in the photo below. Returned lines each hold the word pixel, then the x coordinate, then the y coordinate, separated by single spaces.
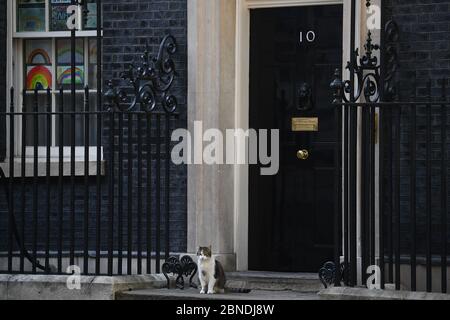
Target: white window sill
pixel 54 167
pixel 54 34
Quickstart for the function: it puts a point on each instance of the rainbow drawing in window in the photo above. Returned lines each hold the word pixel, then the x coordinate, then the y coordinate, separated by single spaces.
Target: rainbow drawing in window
pixel 38 77
pixel 31 20
pixel 31 16
pixel 64 52
pixel 64 75
pixel 39 56
pixel 38 65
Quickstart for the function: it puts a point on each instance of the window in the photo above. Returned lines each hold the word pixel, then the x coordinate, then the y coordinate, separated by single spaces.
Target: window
pixel 52 15
pixel 41 51
pixel 31 16
pixel 47 64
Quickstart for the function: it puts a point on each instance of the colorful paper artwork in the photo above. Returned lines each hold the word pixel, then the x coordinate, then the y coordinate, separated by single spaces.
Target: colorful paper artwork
pixel 64 54
pixel 59 17
pixel 64 75
pixel 91 18
pixel 38 51
pixel 38 56
pixel 38 77
pixel 31 19
pixel 38 64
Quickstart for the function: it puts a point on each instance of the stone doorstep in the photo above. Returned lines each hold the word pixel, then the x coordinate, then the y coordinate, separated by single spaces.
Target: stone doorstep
pixel 264 286
pixel 273 281
pixel 343 293
pixel 193 294
pixel 51 287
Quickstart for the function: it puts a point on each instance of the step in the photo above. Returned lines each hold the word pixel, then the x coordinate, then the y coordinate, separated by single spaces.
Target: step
pixel 193 294
pixel 274 281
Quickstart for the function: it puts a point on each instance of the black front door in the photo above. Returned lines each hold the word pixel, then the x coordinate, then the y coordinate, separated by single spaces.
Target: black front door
pixel 294 52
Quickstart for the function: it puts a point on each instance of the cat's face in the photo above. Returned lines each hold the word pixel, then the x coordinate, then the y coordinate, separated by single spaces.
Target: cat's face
pixel 204 253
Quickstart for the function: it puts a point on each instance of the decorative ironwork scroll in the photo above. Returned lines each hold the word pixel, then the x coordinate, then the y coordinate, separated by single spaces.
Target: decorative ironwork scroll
pixel 150 82
pixel 391 64
pixel 184 267
pixel 368 71
pixel 327 274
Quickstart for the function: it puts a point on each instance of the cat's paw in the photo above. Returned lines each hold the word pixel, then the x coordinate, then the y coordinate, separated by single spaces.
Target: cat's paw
pixel 211 292
pixel 202 292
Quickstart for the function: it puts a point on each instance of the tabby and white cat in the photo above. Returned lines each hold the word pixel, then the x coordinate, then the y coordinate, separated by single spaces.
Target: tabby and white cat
pixel 210 272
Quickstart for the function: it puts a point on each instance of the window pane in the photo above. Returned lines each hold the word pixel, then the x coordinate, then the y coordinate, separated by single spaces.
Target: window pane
pixel 91 18
pixel 92 76
pixel 63 62
pixel 68 130
pixel 63 51
pixel 29 106
pixel 38 64
pixel 59 15
pixel 30 15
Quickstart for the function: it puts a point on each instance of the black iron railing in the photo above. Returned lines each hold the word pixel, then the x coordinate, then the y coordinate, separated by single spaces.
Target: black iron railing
pixel 392 172
pixel 405 222
pixel 91 188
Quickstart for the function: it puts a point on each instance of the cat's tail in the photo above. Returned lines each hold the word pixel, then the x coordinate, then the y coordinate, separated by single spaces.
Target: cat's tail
pixel 237 290
pixel 237 287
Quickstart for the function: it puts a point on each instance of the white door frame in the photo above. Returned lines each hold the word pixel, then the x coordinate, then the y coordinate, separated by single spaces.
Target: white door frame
pixel 241 172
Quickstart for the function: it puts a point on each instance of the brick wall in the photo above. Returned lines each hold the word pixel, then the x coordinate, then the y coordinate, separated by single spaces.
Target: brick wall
pixel 129 26
pixel 424 55
pixel 424 42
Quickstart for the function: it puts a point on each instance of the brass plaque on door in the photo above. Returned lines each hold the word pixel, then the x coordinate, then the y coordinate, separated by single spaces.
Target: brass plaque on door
pixel 305 124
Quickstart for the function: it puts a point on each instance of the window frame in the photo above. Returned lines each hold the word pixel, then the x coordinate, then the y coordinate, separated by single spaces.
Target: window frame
pixel 15 78
pixel 50 34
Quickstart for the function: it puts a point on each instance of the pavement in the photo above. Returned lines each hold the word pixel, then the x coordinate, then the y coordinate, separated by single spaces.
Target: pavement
pixel 193 294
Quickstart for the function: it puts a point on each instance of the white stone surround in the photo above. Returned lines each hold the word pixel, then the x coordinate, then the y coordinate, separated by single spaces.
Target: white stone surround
pixel 218 95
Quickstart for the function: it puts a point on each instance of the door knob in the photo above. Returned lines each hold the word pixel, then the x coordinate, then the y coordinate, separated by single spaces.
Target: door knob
pixel 303 154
